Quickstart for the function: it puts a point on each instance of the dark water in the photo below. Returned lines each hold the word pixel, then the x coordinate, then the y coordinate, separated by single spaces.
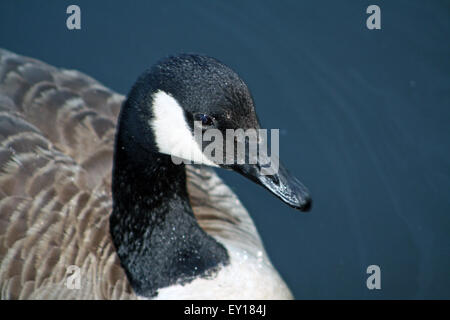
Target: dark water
pixel 364 118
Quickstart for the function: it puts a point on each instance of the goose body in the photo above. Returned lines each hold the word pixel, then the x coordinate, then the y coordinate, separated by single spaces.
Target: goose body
pixel 149 230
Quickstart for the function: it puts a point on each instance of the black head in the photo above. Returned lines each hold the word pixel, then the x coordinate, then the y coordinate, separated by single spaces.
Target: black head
pixel 188 94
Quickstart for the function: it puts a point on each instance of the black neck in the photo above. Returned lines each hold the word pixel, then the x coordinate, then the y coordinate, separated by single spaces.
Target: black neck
pixel 157 237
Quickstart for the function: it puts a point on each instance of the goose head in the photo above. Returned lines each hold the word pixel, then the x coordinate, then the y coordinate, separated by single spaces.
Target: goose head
pixel 184 95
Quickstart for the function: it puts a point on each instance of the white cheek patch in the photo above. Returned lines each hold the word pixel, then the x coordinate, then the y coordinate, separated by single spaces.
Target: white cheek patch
pixel 172 133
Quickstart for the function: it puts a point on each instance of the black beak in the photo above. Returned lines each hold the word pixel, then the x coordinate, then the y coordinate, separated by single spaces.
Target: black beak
pixel 280 182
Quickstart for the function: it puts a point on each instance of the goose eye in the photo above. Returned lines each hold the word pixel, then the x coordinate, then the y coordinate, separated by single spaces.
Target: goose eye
pixel 205 119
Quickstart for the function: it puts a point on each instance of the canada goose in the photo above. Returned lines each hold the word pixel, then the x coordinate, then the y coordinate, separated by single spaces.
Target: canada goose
pixel 152 229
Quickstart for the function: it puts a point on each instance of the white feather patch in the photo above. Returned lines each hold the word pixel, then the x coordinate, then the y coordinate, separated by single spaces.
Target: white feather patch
pixel 248 276
pixel 172 133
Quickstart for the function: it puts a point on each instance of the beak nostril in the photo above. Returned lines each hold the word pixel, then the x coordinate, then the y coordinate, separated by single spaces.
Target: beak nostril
pixel 274 179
